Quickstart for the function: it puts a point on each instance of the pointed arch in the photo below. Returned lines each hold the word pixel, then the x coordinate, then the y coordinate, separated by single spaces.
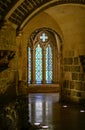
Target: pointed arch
pixel 45 50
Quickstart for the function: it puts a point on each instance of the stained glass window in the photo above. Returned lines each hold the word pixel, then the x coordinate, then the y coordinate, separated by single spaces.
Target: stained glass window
pixel 29 65
pixel 38 66
pixel 41 59
pixel 43 37
pixel 49 64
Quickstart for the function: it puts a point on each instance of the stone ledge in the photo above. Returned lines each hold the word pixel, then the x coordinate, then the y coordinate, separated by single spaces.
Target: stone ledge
pixel 43 88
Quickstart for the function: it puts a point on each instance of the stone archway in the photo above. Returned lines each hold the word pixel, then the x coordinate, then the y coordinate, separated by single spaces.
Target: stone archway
pixel 44 37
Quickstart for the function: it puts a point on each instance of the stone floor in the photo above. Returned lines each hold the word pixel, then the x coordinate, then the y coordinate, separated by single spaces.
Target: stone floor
pixel 47 113
pixel 41 111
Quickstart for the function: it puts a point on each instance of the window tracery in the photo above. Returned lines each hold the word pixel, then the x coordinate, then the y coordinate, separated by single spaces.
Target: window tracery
pixel 42 60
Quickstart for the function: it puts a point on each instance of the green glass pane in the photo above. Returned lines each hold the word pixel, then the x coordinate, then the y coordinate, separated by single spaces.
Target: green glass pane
pixel 29 65
pixel 38 67
pixel 48 64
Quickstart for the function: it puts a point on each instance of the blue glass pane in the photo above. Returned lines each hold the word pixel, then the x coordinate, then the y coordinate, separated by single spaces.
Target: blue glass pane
pixel 48 64
pixel 29 65
pixel 38 67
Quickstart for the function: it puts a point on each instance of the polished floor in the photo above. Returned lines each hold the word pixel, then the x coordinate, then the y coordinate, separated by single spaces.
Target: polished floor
pixel 41 111
pixel 46 112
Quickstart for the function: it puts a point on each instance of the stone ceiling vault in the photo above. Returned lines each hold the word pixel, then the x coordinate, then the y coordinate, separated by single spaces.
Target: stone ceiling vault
pixel 21 11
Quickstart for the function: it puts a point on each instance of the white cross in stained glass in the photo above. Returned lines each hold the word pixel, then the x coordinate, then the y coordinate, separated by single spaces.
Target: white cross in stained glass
pixel 43 37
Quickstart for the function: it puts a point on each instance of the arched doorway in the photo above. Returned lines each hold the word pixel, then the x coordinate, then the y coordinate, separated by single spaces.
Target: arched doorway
pixel 44 56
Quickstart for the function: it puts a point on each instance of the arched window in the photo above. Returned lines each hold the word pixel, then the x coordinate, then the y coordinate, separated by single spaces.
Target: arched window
pixel 42 58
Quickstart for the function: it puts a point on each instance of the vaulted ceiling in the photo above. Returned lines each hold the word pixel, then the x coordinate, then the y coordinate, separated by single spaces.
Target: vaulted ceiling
pixel 19 11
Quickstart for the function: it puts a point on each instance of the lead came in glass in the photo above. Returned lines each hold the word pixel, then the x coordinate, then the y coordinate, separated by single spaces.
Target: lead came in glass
pixel 29 65
pixel 49 64
pixel 38 67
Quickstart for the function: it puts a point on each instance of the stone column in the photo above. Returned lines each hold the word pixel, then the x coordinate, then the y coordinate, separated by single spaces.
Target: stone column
pixel 56 67
pixel 59 68
pixel 19 54
pixel 33 66
pixel 43 66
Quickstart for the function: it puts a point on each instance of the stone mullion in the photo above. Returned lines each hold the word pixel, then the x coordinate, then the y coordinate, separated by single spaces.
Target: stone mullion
pixel 53 66
pixel 33 66
pixel 58 68
pixel 54 63
pixel 19 54
pixel 44 66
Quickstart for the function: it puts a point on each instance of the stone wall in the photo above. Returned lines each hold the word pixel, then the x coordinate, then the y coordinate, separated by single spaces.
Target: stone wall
pixel 7 37
pixel 73 87
pixel 8 82
pixel 8 76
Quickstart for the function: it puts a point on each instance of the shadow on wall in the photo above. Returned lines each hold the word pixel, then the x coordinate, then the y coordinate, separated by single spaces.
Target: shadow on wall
pixel 8 92
pixel 82 60
pixel 5 57
pixel 8 85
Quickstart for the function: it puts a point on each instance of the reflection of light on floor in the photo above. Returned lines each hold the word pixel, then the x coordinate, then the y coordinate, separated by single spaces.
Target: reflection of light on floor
pixel 45 127
pixel 36 123
pixel 82 110
pixel 38 111
pixel 41 126
pixel 45 113
pixel 65 106
pixel 40 108
pixel 29 109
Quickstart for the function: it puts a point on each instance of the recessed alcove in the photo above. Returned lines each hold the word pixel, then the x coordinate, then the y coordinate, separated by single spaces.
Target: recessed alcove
pixel 44 54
